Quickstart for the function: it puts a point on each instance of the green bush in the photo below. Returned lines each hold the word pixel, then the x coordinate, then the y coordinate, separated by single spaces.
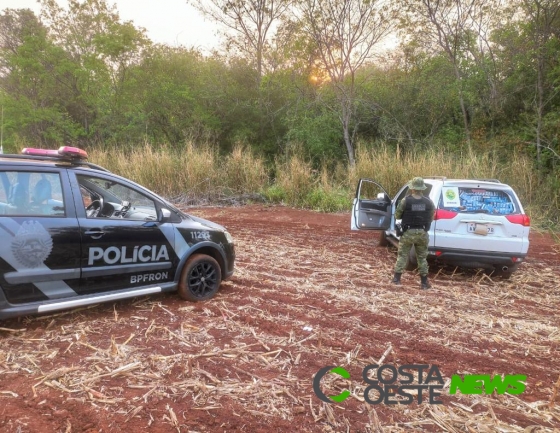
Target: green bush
pixel 328 201
pixel 275 194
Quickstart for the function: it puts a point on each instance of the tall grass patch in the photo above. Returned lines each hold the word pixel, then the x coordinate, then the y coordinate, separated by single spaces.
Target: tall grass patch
pixel 200 172
pixel 539 196
pixel 298 184
pixel 392 169
pixel 193 171
pixel 295 179
pixel 243 172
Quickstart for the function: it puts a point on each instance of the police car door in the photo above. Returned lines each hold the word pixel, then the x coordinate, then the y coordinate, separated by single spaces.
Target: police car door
pixel 40 243
pixel 371 209
pixel 123 244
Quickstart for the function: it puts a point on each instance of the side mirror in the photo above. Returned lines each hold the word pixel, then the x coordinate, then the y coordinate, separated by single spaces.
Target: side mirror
pixel 165 214
pixel 384 197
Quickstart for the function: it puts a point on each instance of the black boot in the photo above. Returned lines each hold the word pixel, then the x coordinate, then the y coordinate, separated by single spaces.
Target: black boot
pixel 397 279
pixel 424 284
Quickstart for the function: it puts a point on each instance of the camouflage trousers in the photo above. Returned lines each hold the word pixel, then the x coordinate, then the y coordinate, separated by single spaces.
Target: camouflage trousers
pixel 418 238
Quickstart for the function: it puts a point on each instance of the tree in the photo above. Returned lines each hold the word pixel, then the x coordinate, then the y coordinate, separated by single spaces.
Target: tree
pixel 415 97
pixel 103 49
pixel 345 33
pixel 487 20
pixel 449 25
pixel 250 21
pixel 543 26
pixel 33 77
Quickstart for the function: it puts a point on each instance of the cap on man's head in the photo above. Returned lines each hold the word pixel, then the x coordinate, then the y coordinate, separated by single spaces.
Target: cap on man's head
pixel 417 184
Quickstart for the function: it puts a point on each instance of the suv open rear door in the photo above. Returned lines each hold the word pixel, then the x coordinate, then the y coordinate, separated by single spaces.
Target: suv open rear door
pixel 371 209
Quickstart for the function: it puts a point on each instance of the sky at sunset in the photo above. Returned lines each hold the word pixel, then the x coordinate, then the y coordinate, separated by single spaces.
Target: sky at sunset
pixel 171 22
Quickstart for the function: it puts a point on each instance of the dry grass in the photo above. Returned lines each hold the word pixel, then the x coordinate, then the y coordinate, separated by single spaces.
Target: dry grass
pixel 296 178
pixel 198 174
pixel 392 170
pixel 193 172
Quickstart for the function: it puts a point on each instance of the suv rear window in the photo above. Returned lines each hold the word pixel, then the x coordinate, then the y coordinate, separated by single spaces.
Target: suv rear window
pixel 477 200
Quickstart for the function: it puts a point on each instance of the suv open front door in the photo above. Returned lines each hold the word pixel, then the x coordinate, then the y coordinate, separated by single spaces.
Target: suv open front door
pixel 371 209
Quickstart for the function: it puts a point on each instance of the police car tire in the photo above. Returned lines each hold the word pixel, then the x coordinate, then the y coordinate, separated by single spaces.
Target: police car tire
pixel 198 268
pixel 411 261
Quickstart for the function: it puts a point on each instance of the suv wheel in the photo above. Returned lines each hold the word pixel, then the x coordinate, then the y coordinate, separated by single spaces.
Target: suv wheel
pixel 200 278
pixel 383 241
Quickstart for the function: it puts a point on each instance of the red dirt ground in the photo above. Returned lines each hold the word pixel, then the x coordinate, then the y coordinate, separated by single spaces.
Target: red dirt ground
pixel 307 293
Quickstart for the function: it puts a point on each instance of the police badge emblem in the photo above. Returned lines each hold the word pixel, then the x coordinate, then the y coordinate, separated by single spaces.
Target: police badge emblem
pixel 32 244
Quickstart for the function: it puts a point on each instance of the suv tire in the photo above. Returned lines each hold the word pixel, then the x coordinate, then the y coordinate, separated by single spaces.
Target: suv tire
pixel 200 279
pixel 383 241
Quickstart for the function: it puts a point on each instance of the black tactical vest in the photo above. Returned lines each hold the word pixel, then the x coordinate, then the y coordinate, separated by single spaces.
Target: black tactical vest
pixel 417 213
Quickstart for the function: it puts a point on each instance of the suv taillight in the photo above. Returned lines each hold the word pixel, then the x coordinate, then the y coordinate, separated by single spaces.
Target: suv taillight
pixel 519 219
pixel 442 214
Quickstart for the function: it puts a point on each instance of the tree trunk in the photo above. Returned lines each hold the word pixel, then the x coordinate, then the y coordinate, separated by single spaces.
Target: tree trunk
pixel 346 132
pixel 540 107
pixel 462 103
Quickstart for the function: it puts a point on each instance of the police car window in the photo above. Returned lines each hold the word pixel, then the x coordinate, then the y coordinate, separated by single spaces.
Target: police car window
pixel 25 193
pixel 109 199
pixel 477 200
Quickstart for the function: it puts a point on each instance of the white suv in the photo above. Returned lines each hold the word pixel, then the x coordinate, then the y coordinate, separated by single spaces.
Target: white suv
pixel 479 223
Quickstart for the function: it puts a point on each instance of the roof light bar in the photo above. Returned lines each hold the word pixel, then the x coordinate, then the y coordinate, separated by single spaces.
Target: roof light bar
pixel 64 152
pixel 39 152
pixel 72 152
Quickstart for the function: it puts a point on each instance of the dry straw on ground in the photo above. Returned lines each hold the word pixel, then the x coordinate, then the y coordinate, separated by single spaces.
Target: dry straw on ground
pixel 305 295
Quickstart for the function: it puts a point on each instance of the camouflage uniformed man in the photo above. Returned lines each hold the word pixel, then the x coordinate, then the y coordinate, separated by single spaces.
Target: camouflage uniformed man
pixel 417 213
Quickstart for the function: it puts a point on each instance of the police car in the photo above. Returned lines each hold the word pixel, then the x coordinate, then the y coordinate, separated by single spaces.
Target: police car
pixel 74 234
pixel 479 223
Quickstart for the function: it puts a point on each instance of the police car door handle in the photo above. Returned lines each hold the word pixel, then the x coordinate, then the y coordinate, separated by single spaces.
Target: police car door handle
pixel 149 224
pixel 94 233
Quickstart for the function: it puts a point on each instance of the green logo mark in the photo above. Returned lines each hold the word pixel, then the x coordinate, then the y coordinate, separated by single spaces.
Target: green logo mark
pixel 317 384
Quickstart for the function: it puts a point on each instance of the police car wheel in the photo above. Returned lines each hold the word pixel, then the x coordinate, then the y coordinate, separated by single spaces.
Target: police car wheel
pixel 200 279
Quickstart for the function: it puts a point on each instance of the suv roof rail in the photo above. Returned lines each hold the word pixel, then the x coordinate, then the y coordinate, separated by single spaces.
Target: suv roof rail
pixel 489 180
pixel 436 177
